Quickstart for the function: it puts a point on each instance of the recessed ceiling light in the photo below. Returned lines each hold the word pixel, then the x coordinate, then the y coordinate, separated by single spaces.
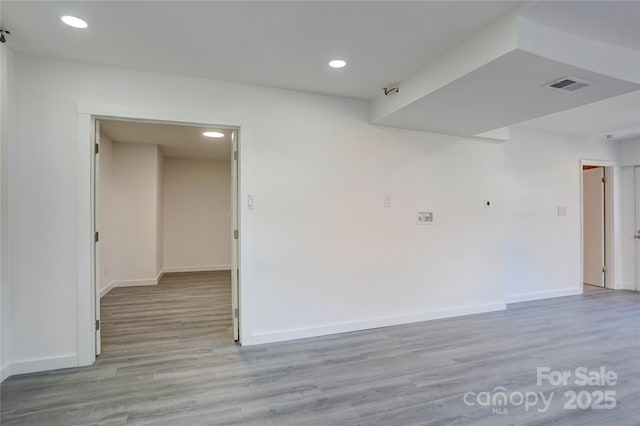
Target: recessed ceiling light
pixel 337 63
pixel 74 22
pixel 213 134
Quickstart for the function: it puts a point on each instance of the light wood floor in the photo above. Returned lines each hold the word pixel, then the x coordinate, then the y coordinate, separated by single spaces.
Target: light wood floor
pixel 168 359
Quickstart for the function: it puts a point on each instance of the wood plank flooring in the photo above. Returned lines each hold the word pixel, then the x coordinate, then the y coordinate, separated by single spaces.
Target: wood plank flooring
pixel 186 310
pixel 168 359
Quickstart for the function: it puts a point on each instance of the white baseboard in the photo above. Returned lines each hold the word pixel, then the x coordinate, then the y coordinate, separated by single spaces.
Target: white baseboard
pixel 107 289
pixel 344 327
pixel 135 283
pixel 44 364
pixel 628 285
pixel 196 268
pixel 5 372
pixel 539 295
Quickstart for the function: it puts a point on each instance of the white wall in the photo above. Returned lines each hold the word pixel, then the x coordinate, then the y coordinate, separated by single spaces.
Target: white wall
pixel 6 128
pixel 327 255
pixel 630 152
pixel 197 225
pixel 542 251
pixel 135 218
pixel 107 211
pixel 629 158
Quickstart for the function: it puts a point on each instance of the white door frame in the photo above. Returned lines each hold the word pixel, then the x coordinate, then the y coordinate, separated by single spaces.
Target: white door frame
pixel 609 172
pixel 95 205
pixel 85 302
pixel 636 213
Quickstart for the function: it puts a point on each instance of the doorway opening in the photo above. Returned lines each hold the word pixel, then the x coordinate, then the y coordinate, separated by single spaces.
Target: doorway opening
pixel 166 224
pixel 597 224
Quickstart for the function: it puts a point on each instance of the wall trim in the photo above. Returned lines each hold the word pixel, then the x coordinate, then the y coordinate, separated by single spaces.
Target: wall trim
pixel 539 295
pixel 107 289
pixel 44 364
pixel 5 373
pixel 196 268
pixel 358 325
pixel 135 283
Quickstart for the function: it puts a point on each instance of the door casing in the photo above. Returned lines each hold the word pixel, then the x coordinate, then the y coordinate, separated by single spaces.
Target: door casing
pixel 86 282
pixel 637 230
pixel 609 167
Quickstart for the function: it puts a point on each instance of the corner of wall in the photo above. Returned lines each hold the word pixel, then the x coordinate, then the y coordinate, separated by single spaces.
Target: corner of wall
pixel 6 130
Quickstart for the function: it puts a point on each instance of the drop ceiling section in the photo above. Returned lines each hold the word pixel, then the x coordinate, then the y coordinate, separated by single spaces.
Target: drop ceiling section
pixel 512 87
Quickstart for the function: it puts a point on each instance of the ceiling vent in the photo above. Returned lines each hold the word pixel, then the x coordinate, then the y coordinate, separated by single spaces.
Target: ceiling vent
pixel 568 84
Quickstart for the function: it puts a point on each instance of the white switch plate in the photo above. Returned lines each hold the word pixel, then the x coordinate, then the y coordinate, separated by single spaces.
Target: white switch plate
pixel 387 200
pixel 251 205
pixel 562 210
pixel 424 218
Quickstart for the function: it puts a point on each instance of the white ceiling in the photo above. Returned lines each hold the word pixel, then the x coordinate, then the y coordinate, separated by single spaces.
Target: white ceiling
pixel 618 116
pixel 278 44
pixel 288 44
pixel 505 91
pixel 613 22
pixel 175 140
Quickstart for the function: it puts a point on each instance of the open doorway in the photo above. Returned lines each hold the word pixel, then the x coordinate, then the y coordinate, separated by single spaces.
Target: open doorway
pixel 166 227
pixel 596 224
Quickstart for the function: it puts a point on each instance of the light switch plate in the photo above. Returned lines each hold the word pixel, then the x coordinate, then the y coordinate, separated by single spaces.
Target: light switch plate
pixel 562 210
pixel 387 200
pixel 251 204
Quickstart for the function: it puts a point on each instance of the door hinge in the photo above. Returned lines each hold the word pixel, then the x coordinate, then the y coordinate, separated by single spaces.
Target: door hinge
pixel 235 234
pixel 96 236
pixel 604 269
pixel 235 155
pixel 604 179
pixel 236 312
pixel 97 150
pixel 97 325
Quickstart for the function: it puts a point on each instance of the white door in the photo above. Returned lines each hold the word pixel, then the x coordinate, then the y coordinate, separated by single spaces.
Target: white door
pixel 96 224
pixel 235 271
pixel 593 226
pixel 637 170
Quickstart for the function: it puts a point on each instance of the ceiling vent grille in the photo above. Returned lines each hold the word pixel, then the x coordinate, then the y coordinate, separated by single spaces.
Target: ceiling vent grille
pixel 568 84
